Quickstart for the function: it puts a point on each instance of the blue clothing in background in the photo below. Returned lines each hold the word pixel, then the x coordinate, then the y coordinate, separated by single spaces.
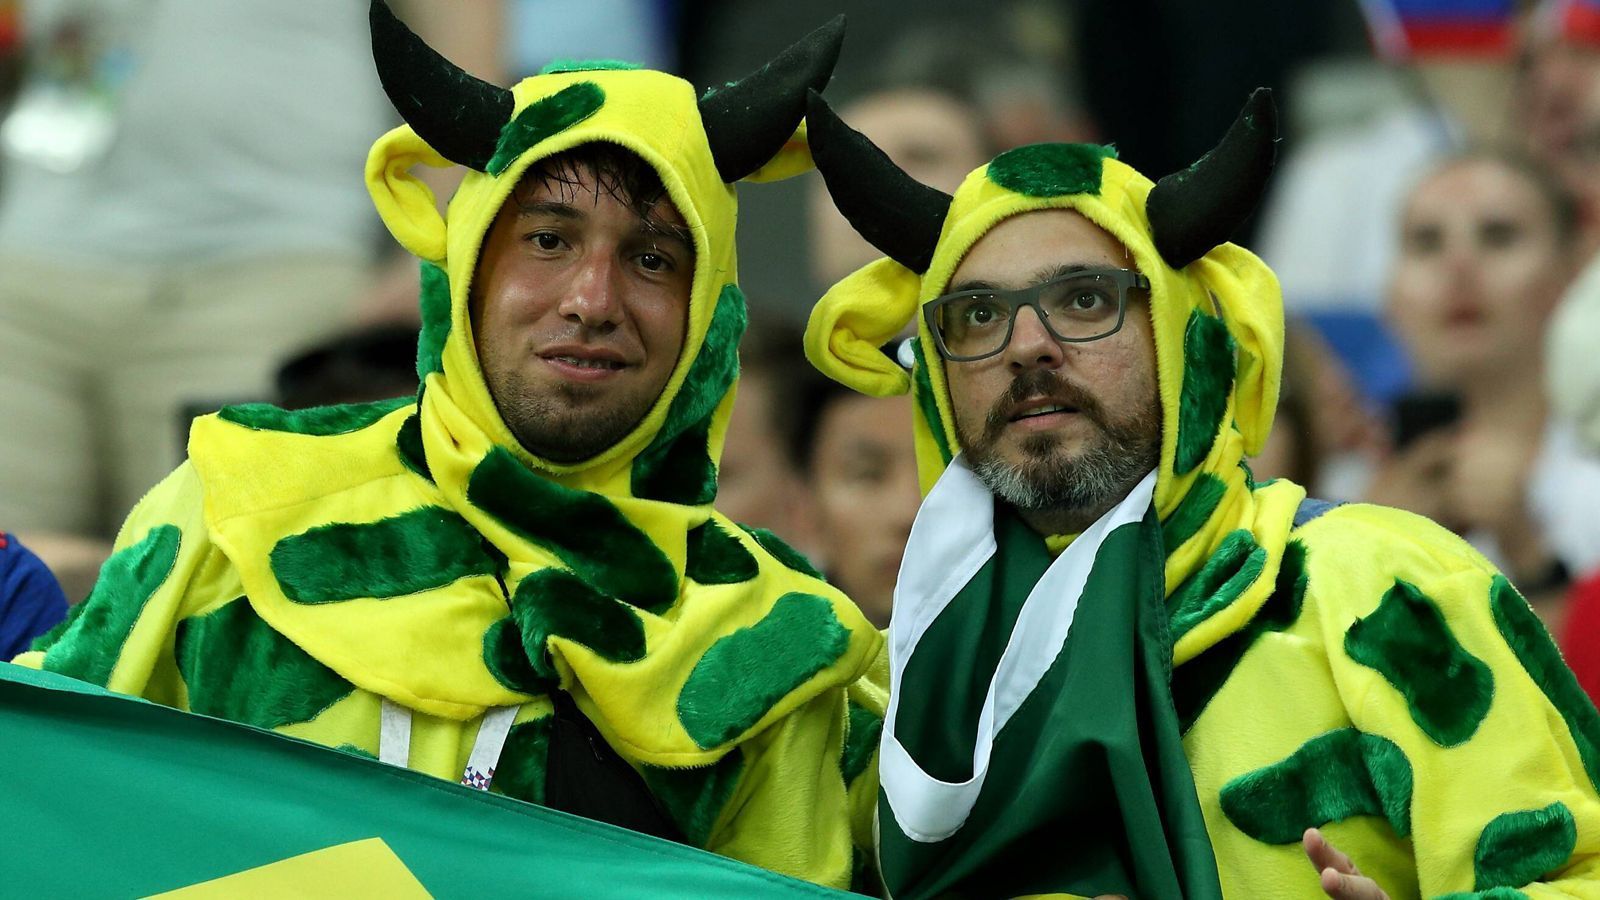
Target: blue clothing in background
pixel 31 601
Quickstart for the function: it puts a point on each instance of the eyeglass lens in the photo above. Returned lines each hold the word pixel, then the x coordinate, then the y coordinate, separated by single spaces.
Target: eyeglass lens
pixel 1076 308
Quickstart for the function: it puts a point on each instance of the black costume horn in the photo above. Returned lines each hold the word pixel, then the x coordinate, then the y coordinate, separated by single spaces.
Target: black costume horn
pixel 749 121
pixel 1202 206
pixel 458 115
pixel 895 213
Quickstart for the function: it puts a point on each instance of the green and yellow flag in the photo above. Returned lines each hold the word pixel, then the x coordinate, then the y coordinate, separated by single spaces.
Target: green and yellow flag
pixel 110 796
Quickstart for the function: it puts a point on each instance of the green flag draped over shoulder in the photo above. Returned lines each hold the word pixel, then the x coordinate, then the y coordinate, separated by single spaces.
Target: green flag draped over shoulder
pixel 1031 745
pixel 110 796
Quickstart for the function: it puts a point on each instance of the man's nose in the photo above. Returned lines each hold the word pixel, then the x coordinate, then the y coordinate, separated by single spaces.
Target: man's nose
pixel 1032 345
pixel 594 296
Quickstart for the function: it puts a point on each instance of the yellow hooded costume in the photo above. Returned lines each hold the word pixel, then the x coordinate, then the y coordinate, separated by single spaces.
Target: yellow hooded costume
pixel 1353 668
pixel 398 578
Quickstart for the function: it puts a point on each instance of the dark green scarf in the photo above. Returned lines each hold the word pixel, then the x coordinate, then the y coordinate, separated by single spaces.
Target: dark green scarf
pixel 1088 790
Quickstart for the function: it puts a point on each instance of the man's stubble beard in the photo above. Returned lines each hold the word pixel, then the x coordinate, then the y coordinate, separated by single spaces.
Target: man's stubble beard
pixel 561 424
pixel 1056 485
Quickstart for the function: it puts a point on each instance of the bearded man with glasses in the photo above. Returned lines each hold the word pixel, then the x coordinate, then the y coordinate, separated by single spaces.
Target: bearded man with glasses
pixel 1119 665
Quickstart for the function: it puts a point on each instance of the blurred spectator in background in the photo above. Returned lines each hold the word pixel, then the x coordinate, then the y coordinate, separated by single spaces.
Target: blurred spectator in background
pixel 756 483
pixel 861 496
pixel 1486 250
pixel 372 363
pixel 1323 436
pixel 178 214
pixel 31 602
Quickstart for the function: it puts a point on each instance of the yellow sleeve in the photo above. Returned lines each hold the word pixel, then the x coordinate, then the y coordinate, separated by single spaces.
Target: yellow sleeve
pixel 162 568
pixel 1477 735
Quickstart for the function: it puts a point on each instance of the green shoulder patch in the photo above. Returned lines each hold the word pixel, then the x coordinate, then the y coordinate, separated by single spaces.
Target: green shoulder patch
pixel 90 646
pixel 1204 496
pixel 584 529
pixel 1521 628
pixel 1207 381
pixel 318 421
pixel 1332 777
pixel 507 660
pixel 862 729
pixel 556 603
pixel 408 443
pixel 1051 170
pixel 1236 565
pixel 420 550
pixel 1406 639
pixel 1518 848
pixel 238 668
pixel 744 674
pixel 717 557
pixel 544 118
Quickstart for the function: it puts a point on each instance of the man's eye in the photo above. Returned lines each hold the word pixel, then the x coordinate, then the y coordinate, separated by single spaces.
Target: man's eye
pixel 1498 234
pixel 545 240
pixel 981 314
pixel 655 262
pixel 1086 300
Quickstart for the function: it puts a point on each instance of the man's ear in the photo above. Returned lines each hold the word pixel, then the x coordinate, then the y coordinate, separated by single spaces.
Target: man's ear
pixel 406 203
pixel 857 317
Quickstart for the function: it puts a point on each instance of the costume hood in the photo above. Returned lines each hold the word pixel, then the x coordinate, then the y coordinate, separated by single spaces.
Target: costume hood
pixel 1216 313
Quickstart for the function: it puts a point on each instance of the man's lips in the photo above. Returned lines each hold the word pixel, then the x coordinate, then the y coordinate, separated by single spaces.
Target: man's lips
pixel 1041 407
pixel 584 363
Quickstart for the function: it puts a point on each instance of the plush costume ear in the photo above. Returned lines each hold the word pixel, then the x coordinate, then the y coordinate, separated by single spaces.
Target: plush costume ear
pixel 459 115
pixel 749 121
pixel 794 158
pixel 857 317
pixel 405 203
pixel 1202 206
pixel 893 211
pixel 1251 304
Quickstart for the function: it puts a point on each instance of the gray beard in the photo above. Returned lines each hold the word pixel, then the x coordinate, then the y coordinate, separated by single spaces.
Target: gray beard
pixel 1050 482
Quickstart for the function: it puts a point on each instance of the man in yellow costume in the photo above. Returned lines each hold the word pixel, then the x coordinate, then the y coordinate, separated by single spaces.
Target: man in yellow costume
pixel 516 578
pixel 1119 664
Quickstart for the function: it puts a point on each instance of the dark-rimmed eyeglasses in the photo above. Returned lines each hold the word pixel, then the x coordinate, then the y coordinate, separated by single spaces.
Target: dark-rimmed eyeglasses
pixel 1079 306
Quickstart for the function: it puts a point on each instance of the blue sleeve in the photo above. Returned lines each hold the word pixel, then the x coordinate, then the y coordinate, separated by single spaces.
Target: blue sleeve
pixel 31 600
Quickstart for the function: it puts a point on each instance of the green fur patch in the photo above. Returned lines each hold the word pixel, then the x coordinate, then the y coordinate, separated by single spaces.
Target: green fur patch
pixel 783 553
pixel 556 603
pixel 353 750
pixel 862 729
pixel 1518 848
pixel 408 441
pixel 557 66
pixel 1207 382
pixel 318 421
pixel 1499 893
pixel 677 467
pixel 1193 512
pixel 49 639
pixel 238 668
pixel 521 771
pixel 744 674
pixel 89 648
pixel 1051 170
pixel 717 557
pixel 1228 573
pixel 1406 639
pixel 435 300
pixel 1198 680
pixel 1521 628
pixel 420 550
pixel 922 389
pixel 1330 778
pixel 545 118
pixel 507 661
pixel 589 534
pixel 695 798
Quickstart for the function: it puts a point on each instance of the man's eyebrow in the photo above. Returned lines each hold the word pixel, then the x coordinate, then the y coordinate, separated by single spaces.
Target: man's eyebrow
pixel 549 208
pixel 668 230
pixel 1039 277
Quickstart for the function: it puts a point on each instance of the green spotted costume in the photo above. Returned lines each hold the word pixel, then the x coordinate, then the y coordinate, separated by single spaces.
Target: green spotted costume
pixel 309 571
pixel 1292 663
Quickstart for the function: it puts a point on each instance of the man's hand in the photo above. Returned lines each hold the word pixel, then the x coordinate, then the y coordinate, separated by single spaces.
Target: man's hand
pixel 1341 879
